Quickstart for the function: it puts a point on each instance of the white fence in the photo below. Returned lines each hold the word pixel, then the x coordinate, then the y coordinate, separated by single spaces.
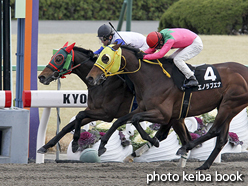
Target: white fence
pixel 48 99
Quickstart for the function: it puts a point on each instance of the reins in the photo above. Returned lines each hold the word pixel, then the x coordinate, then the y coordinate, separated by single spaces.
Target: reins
pixel 72 68
pixel 122 71
pixel 160 64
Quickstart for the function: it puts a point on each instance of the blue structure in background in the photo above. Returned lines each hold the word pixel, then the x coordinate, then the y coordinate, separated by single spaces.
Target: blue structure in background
pixel 20 61
pixel 26 64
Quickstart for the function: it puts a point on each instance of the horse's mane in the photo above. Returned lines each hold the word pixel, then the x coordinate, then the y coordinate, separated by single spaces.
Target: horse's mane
pixel 81 49
pixel 129 47
pixel 163 60
pixel 88 52
pixel 167 60
pixel 137 52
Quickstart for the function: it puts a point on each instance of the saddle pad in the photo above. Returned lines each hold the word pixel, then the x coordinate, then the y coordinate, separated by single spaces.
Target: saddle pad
pixel 207 76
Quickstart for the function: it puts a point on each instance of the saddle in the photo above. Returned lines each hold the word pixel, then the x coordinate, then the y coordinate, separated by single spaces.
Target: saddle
pixel 207 76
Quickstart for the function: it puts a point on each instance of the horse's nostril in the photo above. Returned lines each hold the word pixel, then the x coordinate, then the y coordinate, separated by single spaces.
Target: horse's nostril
pixel 90 80
pixel 42 79
pixel 56 74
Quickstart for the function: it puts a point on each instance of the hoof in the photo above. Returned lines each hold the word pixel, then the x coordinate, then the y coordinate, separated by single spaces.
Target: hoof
pixel 128 159
pixel 202 167
pixel 74 147
pixel 42 150
pixel 156 143
pixel 101 151
pixel 181 151
pixel 125 143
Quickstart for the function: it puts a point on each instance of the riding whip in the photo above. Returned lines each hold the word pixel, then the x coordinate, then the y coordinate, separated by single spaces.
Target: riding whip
pixel 116 31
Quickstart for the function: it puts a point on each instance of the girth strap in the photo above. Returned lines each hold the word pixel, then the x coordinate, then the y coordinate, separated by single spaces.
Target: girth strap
pixel 185 103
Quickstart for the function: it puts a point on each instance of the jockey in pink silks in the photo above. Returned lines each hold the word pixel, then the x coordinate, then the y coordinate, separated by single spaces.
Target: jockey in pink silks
pixel 188 43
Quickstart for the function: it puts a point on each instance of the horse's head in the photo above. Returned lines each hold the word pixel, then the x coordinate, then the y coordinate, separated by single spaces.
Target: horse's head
pixel 107 64
pixel 58 65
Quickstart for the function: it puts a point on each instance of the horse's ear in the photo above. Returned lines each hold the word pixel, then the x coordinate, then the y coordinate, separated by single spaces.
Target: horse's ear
pixel 69 48
pixel 65 45
pixel 116 46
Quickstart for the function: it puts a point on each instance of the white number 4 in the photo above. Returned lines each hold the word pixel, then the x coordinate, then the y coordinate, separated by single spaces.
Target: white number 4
pixel 209 75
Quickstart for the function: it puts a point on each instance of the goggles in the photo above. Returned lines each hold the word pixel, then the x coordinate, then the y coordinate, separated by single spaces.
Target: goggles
pixel 159 46
pixel 103 38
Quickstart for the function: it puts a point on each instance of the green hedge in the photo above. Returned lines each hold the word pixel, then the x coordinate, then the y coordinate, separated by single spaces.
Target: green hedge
pixel 200 16
pixel 99 10
pixel 206 16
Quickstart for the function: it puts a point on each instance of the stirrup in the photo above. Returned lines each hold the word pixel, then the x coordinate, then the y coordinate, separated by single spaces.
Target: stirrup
pixel 192 82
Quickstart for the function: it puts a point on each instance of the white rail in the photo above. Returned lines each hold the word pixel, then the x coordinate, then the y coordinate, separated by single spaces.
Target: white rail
pixel 48 99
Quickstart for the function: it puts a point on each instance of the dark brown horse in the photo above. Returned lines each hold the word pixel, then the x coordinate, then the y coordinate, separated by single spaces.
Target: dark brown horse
pixel 112 99
pixel 160 99
pixel 102 105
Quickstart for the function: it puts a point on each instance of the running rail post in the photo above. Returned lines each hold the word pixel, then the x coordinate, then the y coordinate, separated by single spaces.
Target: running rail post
pixel 123 10
pixel 129 15
pixel 41 134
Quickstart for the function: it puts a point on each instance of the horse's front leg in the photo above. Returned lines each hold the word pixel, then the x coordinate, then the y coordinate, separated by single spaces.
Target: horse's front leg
pixel 184 135
pixel 152 116
pixel 181 130
pixel 80 120
pixel 163 132
pixel 85 117
pixel 161 135
pixel 68 128
pixel 121 121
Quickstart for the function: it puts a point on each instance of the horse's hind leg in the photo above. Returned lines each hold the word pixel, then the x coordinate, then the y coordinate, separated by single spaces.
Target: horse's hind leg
pixel 220 143
pixel 220 129
pixel 68 128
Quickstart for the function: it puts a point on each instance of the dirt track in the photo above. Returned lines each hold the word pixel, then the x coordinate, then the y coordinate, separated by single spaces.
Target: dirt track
pixel 109 174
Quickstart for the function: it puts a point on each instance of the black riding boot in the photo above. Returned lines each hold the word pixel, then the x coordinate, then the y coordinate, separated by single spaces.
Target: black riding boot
pixel 191 82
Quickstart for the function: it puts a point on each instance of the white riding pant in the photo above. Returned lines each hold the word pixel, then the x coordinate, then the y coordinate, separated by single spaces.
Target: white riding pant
pixel 183 54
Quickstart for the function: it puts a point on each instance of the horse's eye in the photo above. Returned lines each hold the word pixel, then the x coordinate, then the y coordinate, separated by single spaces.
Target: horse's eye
pixel 106 58
pixel 59 59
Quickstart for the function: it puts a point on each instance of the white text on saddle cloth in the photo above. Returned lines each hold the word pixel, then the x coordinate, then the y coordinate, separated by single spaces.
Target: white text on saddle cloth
pixel 207 86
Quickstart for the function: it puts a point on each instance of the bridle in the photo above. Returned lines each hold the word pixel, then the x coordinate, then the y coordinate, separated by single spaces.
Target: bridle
pixel 68 66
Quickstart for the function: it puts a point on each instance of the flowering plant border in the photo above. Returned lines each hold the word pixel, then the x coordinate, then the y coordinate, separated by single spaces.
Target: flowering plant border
pixel 203 123
pixel 88 138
